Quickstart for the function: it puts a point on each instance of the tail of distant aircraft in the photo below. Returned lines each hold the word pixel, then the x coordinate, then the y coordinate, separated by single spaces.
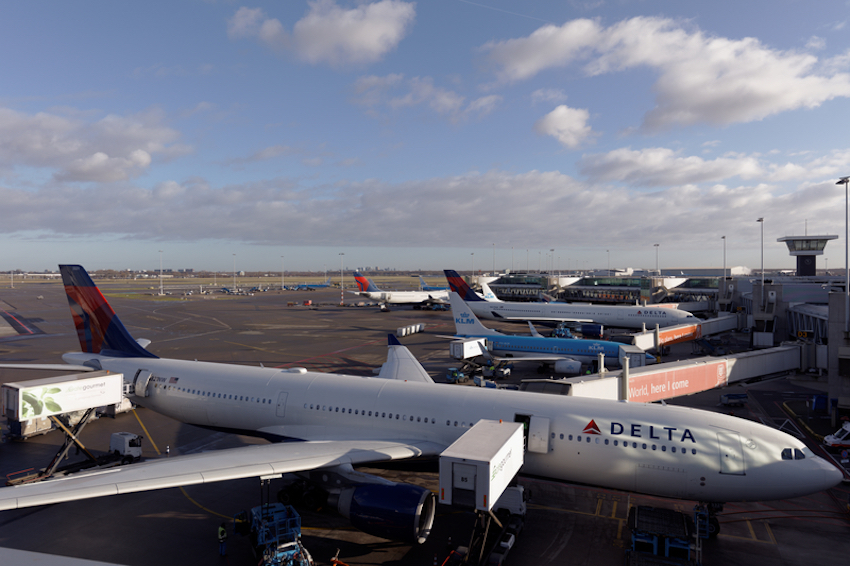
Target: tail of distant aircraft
pixel 466 323
pixel 459 286
pixel 364 285
pixel 98 327
pixel 426 287
pixel 489 295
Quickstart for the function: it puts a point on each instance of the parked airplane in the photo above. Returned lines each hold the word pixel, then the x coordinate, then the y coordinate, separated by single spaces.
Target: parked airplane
pixel 566 354
pixel 311 286
pixel 342 420
pixel 619 316
pixel 366 288
pixel 425 287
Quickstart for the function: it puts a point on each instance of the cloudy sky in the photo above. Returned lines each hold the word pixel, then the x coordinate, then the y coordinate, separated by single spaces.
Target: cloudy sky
pixel 416 134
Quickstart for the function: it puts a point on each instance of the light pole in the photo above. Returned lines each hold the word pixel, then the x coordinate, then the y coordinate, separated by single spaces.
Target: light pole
pixel 160 274
pixel 656 259
pixel 609 262
pixel 473 263
pixel 282 271
pixel 724 265
pixel 234 273
pixel 494 260
pixel 552 260
pixel 761 221
pixel 341 288
pixel 845 181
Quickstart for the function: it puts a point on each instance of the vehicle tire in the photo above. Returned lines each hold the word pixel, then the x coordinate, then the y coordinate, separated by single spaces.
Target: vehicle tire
pixel 713 527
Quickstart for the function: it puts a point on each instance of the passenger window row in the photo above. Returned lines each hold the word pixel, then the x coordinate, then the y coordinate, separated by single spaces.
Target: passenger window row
pixel 216 395
pixel 364 413
pixel 643 445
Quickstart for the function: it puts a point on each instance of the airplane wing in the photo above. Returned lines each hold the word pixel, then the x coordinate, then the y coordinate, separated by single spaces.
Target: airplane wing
pixel 216 465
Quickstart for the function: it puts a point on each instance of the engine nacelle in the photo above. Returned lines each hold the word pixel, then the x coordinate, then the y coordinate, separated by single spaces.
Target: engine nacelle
pixel 401 512
pixel 592 330
pixel 569 367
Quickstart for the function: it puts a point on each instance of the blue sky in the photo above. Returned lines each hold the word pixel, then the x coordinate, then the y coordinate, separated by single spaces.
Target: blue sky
pixel 415 134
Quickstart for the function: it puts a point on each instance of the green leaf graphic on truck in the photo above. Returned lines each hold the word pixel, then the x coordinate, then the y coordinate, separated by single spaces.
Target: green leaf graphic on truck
pixel 35 400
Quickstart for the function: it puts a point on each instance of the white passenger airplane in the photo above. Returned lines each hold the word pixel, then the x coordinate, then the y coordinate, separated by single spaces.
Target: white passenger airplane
pixel 341 420
pixel 619 316
pixel 566 355
pixel 419 298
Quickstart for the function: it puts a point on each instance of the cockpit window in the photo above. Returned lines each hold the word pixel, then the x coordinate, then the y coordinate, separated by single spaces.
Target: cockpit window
pixel 786 454
pixel 793 454
pixel 798 454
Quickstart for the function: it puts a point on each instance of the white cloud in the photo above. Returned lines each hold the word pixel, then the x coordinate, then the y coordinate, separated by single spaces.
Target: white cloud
pixel 275 210
pixel 702 78
pixel 112 148
pixel 374 92
pixel 548 95
pixel 567 125
pixel 662 167
pixel 330 34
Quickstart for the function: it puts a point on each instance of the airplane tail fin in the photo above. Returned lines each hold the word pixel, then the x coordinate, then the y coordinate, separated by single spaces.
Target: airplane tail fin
pixel 466 323
pixel 401 364
pixel 363 284
pixel 489 295
pixel 459 286
pixel 99 329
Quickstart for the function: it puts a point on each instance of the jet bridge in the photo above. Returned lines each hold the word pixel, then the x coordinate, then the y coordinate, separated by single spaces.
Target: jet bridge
pixel 655 339
pixel 674 379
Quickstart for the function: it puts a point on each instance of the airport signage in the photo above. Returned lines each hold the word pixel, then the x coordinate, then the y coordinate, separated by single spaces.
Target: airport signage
pixel 656 385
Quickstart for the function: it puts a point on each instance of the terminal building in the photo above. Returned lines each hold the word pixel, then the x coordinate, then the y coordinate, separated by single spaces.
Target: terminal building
pixel 807 307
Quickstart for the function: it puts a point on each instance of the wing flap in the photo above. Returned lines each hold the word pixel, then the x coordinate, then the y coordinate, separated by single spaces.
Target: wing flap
pixel 213 466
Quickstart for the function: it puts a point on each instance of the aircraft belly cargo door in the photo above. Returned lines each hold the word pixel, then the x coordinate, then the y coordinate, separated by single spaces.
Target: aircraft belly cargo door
pixel 281 404
pixel 731 453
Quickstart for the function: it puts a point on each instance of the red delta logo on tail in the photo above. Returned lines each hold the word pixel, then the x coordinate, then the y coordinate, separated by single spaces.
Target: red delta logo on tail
pixel 98 327
pixel 591 428
pixel 362 284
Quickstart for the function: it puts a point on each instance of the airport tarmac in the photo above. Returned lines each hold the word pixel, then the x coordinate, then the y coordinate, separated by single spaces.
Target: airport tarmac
pixel 567 524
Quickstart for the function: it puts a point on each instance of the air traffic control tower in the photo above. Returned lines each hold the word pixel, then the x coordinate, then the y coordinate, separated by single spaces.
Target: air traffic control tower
pixel 806 248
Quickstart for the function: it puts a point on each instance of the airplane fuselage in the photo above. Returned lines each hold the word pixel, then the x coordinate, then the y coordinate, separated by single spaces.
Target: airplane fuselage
pixel 660 450
pixel 608 315
pixel 405 297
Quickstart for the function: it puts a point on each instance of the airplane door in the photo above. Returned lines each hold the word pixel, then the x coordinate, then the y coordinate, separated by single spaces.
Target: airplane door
pixel 731 453
pixel 140 384
pixel 538 435
pixel 281 404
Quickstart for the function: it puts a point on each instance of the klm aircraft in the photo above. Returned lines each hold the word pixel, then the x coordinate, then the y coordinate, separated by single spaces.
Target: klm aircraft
pixel 567 354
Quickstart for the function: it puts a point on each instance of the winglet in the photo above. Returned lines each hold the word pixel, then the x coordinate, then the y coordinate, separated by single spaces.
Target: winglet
pixel 392 340
pixel 99 329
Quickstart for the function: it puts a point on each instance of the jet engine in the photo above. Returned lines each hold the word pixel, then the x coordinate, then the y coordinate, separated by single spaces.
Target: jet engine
pixel 569 367
pixel 401 511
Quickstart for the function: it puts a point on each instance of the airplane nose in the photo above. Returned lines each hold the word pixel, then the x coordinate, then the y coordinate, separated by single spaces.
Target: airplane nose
pixel 832 476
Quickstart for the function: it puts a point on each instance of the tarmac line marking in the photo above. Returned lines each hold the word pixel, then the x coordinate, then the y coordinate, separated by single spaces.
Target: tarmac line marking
pixel 598 506
pixel 614 510
pixel 752 531
pixel 769 532
pixel 158 453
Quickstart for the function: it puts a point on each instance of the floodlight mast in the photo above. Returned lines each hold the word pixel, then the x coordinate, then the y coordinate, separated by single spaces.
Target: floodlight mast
pixel 846 181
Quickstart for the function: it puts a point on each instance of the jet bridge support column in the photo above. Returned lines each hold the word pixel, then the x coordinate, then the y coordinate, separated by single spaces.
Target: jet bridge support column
pixel 624 380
